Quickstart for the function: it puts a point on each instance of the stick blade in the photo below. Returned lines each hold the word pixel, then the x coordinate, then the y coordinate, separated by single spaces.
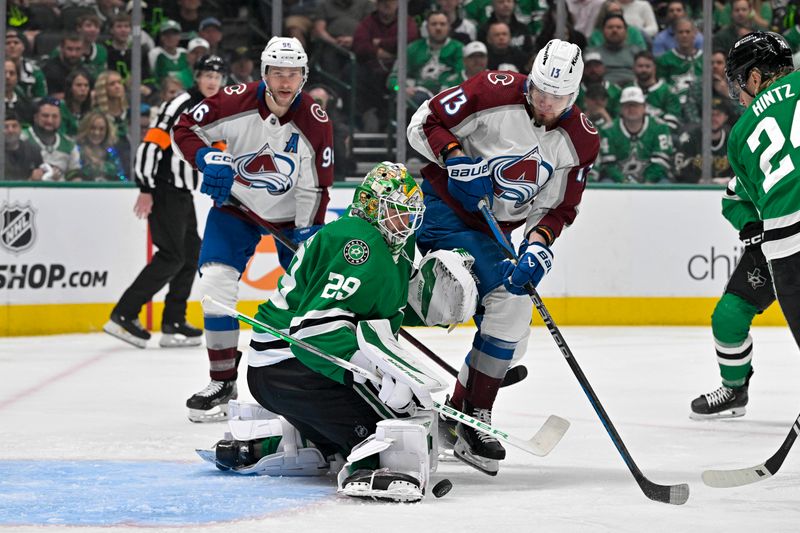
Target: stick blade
pixel 671 494
pixel 723 479
pixel 548 435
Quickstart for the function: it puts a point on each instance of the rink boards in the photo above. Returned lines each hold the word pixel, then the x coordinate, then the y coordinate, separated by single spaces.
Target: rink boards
pixel 633 257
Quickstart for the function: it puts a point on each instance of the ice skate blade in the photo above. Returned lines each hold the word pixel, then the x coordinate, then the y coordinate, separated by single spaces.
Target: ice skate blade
pixel 176 340
pixel 490 467
pixel 736 412
pixel 119 332
pixel 217 413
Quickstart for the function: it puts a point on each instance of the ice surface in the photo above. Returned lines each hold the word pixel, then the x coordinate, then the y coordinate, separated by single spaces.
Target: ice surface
pixel 93 433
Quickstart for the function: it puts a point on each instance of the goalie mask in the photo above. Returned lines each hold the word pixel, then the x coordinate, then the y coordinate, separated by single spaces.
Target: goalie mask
pixel 390 200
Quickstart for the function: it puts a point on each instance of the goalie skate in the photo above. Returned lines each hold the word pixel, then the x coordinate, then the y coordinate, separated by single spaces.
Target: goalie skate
pixel 180 335
pixel 130 331
pixel 382 485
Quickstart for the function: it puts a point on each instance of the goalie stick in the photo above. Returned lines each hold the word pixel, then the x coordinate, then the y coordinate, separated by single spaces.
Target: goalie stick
pixel 722 479
pixel 514 375
pixel 540 444
pixel 674 494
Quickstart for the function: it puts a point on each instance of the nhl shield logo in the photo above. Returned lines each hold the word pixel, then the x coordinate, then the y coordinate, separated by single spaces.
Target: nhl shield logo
pixel 17 230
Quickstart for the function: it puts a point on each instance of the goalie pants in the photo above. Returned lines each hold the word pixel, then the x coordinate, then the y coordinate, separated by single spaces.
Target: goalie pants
pixel 173 227
pixel 333 416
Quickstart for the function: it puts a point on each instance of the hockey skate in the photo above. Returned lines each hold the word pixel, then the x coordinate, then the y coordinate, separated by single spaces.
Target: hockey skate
pixel 477 449
pixel 125 329
pixel 725 402
pixel 382 485
pixel 178 335
pixel 211 403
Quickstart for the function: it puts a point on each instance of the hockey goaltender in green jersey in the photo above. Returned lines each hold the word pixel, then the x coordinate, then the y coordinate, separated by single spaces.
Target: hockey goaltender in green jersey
pixel 346 293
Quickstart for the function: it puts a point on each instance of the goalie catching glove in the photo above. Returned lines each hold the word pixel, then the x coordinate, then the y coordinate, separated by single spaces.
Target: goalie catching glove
pixel 443 291
pixel 405 385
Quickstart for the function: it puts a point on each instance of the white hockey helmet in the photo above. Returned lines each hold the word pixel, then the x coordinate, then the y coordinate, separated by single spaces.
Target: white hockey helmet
pixel 285 52
pixel 557 69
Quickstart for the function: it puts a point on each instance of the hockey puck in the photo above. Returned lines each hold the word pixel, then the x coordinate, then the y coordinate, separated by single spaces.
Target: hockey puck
pixel 442 488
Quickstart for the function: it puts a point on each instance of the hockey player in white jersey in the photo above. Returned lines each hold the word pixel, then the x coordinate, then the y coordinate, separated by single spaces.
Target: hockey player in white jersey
pixel 522 142
pixel 279 164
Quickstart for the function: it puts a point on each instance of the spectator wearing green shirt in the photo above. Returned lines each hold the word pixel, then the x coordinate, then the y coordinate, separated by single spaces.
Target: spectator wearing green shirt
pixel 169 57
pixel 31 83
pixel 76 103
pixel 430 61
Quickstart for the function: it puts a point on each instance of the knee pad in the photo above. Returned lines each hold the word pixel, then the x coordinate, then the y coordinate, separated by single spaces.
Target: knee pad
pixel 731 320
pixel 402 446
pixel 240 410
pixel 289 459
pixel 221 282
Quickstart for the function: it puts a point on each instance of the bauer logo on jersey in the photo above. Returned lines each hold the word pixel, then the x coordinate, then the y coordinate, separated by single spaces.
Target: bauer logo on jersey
pixel 17 230
pixel 265 170
pixel 519 178
pixel 356 252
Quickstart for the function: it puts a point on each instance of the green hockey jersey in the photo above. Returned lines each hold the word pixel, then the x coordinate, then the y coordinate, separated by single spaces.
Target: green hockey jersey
pixel 644 157
pixel 344 274
pixel 663 103
pixel 764 154
pixel 680 71
pixel 431 69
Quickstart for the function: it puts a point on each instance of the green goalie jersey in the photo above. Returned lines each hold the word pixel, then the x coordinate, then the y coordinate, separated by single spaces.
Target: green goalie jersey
pixel 644 157
pixel 764 153
pixel 342 275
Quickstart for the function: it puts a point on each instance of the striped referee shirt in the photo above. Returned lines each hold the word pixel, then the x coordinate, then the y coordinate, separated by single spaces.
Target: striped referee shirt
pixel 157 164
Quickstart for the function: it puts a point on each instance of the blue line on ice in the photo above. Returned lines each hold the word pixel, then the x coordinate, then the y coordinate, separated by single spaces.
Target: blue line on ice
pixel 90 493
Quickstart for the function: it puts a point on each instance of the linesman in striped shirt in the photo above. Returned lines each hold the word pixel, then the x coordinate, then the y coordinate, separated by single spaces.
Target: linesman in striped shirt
pixel 166 183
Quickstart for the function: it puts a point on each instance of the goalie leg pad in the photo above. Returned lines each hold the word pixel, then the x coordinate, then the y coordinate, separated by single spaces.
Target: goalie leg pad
pixel 405 458
pixel 443 290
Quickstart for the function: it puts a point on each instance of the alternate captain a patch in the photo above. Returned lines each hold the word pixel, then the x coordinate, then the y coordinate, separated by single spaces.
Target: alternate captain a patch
pixel 356 252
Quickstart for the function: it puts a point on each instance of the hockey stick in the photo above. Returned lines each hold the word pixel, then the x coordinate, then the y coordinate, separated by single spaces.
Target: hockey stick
pixel 744 476
pixel 540 444
pixel 514 375
pixel 674 494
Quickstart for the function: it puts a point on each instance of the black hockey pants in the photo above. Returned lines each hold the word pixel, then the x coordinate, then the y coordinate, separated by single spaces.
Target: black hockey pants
pixel 332 416
pixel 786 275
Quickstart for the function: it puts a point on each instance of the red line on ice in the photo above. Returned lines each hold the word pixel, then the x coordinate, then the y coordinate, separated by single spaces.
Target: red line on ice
pixel 42 384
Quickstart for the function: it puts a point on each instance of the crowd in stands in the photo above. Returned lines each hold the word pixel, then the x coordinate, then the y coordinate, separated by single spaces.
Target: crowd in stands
pixel 68 71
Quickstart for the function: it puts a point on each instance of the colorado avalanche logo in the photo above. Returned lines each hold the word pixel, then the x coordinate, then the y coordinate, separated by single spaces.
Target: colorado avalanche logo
pixel 265 170
pixel 519 178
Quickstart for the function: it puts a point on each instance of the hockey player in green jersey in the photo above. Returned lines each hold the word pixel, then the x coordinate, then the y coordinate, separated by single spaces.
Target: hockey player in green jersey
pixel 346 293
pixel 763 153
pixel 748 293
pixel 635 148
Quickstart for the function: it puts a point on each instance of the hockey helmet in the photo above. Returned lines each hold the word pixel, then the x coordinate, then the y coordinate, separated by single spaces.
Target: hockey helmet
pixel 390 200
pixel 210 63
pixel 764 50
pixel 284 52
pixel 557 70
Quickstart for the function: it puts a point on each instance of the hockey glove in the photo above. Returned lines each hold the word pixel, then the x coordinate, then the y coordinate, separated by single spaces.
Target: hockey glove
pixel 395 394
pixel 468 181
pixel 535 260
pixel 217 169
pixel 752 234
pixel 301 234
